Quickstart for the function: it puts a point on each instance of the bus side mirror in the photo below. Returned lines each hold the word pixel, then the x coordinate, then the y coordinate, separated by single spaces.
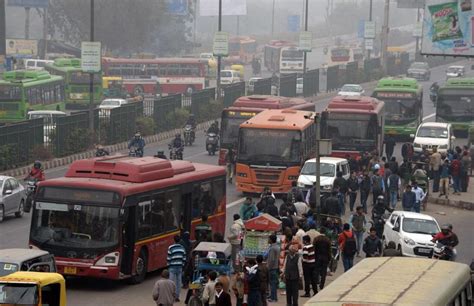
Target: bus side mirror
pixel 412 135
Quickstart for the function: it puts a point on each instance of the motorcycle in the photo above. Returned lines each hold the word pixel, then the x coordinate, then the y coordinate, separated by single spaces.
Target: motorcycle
pixel 175 153
pixel 135 152
pixel 188 135
pixel 442 252
pixel 433 96
pixel 31 185
pixel 211 143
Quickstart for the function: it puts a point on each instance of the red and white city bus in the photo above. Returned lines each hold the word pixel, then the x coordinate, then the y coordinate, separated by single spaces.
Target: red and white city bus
pixel 354 124
pixel 245 108
pixel 174 75
pixel 115 217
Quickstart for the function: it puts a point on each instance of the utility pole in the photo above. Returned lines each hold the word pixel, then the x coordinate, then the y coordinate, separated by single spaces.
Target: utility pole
pixel 194 26
pixel 384 35
pixel 3 47
pixel 238 26
pixel 45 31
pixel 306 29
pixel 318 161
pixel 219 58
pixel 273 17
pixel 417 47
pixel 370 19
pixel 27 23
pixel 91 75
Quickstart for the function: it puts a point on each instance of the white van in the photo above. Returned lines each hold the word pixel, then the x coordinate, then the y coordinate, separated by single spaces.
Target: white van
pixel 36 64
pixel 230 77
pixel 330 166
pixel 433 134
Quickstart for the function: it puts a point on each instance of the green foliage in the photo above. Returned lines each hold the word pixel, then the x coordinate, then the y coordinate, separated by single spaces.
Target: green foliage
pixel 40 152
pixel 7 156
pixel 146 125
pixel 77 140
pixel 177 118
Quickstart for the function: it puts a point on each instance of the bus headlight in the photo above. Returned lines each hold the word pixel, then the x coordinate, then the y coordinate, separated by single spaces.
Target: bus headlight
pixel 292 178
pixel 241 174
pixel 327 187
pixel 111 259
pixel 301 184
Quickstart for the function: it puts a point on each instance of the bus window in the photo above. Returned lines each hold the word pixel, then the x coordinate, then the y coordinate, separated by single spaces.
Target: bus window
pixel 144 216
pixel 218 187
pixel 208 203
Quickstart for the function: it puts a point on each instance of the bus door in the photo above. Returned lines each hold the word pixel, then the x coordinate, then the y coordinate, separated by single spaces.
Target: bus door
pixel 128 221
pixel 186 208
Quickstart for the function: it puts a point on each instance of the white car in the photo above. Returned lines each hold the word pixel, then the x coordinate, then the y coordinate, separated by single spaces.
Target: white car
pixel 12 197
pixel 351 90
pixel 412 233
pixel 251 85
pixel 299 86
pixel 49 120
pixel 108 104
pixel 329 168
pixel 455 72
pixel 433 134
pixel 230 77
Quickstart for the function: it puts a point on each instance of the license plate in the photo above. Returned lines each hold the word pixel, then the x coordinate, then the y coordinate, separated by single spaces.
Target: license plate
pixel 70 270
pixel 425 251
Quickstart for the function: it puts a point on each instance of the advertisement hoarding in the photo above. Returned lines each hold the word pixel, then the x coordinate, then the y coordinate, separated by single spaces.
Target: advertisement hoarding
pixel 229 7
pixel 22 47
pixel 221 44
pixel 447 28
pixel 306 41
pixel 294 23
pixel 90 56
pixel 29 3
pixel 369 29
pixel 177 7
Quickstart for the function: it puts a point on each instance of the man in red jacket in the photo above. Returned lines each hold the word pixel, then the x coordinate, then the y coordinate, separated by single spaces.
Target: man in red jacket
pixel 36 172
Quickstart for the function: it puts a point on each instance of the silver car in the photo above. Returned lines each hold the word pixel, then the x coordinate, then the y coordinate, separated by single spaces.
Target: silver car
pixel 12 197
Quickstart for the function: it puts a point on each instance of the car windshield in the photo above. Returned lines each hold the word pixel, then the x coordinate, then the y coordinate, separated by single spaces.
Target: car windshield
pixel 226 74
pixel 269 146
pixel 110 103
pixel 419 66
pixel 75 226
pixel 18 294
pixel 309 168
pixel 420 226
pixel 432 132
pixel 454 69
pixel 351 88
pixel 8 268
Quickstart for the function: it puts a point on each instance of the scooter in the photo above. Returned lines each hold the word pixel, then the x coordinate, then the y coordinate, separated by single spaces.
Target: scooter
pixel 135 152
pixel 31 185
pixel 175 153
pixel 442 252
pixel 211 143
pixel 188 135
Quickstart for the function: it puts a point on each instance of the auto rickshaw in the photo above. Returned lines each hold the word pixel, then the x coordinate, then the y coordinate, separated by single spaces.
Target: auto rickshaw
pixel 240 69
pixel 33 288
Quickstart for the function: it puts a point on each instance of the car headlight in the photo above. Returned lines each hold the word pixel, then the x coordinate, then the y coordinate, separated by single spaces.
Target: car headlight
pixel 445 146
pixel 409 241
pixel 416 145
pixel 241 174
pixel 327 187
pixel 301 184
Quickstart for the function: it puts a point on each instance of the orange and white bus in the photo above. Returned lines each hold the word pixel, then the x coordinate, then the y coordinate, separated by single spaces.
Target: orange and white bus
pixel 173 75
pixel 272 148
pixel 242 49
pixel 114 217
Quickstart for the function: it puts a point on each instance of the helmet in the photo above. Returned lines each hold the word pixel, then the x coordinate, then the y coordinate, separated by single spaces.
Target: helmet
pixel 37 164
pixel 380 199
pixel 137 134
pixel 445 227
pixel 377 167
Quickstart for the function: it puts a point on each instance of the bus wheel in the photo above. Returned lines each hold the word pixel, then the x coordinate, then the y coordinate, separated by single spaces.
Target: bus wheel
pixel 138 90
pixel 140 268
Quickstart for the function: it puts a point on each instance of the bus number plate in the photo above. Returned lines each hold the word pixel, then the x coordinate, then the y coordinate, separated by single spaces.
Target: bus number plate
pixel 70 270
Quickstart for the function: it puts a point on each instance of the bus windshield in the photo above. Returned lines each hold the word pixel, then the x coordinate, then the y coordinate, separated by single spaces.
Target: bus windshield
pixel 75 226
pixel 234 46
pixel 292 55
pixel 351 131
pixel 9 93
pixel 269 146
pixel 230 129
pixel 456 106
pixel 18 294
pixel 400 110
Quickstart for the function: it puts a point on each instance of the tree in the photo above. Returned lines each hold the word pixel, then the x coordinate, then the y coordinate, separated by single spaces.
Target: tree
pixel 123 26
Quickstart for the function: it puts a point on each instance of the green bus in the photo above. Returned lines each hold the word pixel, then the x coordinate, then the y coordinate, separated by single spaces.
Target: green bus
pixel 455 104
pixel 25 90
pixel 403 99
pixel 77 82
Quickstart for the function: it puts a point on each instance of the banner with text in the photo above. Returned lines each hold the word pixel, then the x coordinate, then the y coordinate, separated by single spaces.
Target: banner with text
pixel 229 7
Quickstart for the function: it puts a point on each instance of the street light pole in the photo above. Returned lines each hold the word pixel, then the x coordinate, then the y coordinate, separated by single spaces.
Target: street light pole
pixel 384 37
pixel 318 162
pixel 370 19
pixel 273 17
pixel 219 59
pixel 27 23
pixel 306 29
pixel 91 75
pixel 417 47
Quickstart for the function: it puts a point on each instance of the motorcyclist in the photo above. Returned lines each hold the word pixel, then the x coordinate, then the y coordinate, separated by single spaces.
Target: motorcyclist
pixel 101 151
pixel 160 154
pixel 192 122
pixel 434 88
pixel 36 173
pixel 138 142
pixel 377 214
pixel 178 144
pixel 447 238
pixel 213 129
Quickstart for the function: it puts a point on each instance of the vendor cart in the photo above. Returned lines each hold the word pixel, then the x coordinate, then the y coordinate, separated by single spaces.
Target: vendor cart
pixel 257 231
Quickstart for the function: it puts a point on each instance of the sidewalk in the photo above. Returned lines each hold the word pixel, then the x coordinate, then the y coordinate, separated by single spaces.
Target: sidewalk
pixel 465 200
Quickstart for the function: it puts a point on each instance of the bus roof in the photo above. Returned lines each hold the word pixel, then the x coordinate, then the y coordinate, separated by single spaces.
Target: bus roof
pixel 355 104
pixel 241 39
pixel 41 278
pixel 459 83
pixel 166 60
pixel 395 281
pixel 130 175
pixel 268 102
pixel 66 64
pixel 28 77
pixel 398 84
pixel 286 119
pixel 281 43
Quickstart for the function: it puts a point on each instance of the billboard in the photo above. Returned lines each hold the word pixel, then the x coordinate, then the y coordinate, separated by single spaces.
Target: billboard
pixel 294 23
pixel 177 7
pixel 447 28
pixel 29 3
pixel 229 7
pixel 22 47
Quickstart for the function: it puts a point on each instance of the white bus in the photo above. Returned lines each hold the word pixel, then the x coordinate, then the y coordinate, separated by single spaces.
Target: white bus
pixel 399 281
pixel 291 60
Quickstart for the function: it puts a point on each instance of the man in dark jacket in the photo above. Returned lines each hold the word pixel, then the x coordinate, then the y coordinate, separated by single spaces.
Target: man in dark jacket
pixel 372 244
pixel 292 273
pixel 331 205
pixel 365 185
pixel 253 281
pixel 263 274
pixel 390 250
pixel 389 145
pixel 353 186
pixel 270 207
pixel 322 252
pixel 340 185
pixel 408 199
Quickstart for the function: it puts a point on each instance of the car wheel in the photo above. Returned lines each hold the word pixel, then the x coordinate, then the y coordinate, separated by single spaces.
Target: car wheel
pixel 400 249
pixel 20 211
pixel 2 213
pixel 140 268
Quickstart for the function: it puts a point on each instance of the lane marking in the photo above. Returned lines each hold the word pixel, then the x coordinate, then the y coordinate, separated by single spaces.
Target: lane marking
pixel 429 116
pixel 235 203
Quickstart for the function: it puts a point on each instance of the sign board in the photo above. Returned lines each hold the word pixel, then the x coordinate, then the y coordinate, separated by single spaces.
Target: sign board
pixel 29 3
pixel 410 4
pixel 177 7
pixel 418 30
pixel 306 41
pixel 229 7
pixel 369 29
pixel 369 44
pixel 360 28
pixel 448 28
pixel 22 47
pixel 221 44
pixel 90 56
pixel 294 23
pixel 325 147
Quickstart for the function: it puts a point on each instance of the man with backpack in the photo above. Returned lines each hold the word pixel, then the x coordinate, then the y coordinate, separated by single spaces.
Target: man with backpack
pixel 358 224
pixel 340 185
pixel 348 246
pixel 378 186
pixel 394 183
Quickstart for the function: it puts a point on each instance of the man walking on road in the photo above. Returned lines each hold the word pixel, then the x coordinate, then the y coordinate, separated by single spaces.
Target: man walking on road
pixel 358 223
pixel 322 252
pixel 176 261
pixel 273 265
pixel 348 247
pixel 408 199
pixel 235 239
pixel 394 183
pixel 372 244
pixel 435 164
pixel 292 272
pixel 309 267
pixel 378 186
pixel 164 291
pixel 353 186
pixel 390 143
pixel 420 197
